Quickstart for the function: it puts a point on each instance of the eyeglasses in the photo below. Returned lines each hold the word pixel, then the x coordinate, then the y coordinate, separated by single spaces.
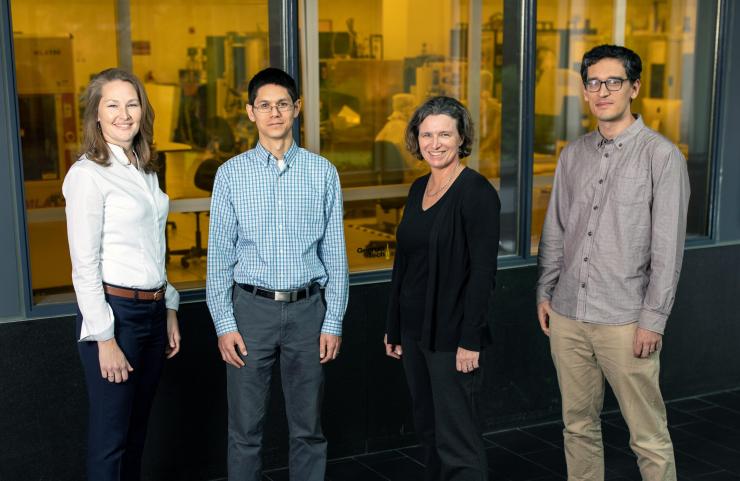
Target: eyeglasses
pixel 266 107
pixel 613 84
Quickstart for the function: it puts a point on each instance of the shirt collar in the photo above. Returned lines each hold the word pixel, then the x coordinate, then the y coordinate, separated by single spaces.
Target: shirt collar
pixel 119 154
pixel 265 156
pixel 598 140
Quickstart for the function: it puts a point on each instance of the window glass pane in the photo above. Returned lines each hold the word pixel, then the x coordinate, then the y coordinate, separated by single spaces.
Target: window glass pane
pixel 673 39
pixel 195 58
pixel 378 61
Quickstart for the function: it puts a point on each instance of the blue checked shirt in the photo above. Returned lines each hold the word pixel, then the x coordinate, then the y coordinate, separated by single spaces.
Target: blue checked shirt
pixel 277 230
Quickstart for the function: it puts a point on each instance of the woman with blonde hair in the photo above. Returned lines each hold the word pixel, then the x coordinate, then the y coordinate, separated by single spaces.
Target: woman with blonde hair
pixel 127 312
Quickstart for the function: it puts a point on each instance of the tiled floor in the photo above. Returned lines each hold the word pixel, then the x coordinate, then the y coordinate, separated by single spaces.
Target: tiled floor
pixel 705 432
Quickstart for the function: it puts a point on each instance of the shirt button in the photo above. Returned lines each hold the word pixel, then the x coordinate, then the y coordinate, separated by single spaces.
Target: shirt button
pixel 606 155
pixel 590 233
pixel 583 285
pixel 620 144
pixel 601 181
pixel 596 207
pixel 585 259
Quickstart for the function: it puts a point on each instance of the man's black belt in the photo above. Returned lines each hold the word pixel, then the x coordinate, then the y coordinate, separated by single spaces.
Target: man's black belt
pixel 282 296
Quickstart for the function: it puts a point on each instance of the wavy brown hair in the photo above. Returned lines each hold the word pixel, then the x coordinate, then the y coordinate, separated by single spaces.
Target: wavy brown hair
pixel 441 106
pixel 94 145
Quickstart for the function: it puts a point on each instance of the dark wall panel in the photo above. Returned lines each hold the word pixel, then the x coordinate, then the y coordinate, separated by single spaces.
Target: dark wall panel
pixel 43 404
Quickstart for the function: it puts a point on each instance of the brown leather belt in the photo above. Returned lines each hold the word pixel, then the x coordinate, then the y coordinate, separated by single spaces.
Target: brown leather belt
pixel 138 294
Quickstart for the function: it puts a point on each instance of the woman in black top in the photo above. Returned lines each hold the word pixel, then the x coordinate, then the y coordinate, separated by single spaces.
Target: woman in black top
pixel 443 279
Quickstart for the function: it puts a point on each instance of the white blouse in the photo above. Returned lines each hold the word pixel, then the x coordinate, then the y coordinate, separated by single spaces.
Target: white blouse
pixel 116 217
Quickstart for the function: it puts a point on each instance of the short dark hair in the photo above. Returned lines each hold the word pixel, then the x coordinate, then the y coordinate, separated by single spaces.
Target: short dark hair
pixel 271 76
pixel 441 106
pixel 94 145
pixel 631 61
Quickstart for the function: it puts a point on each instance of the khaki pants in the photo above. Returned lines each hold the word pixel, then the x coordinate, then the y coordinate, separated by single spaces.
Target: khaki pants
pixel 585 353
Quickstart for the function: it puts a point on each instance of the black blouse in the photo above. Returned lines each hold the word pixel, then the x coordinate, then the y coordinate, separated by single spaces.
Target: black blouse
pixel 461 266
pixel 413 239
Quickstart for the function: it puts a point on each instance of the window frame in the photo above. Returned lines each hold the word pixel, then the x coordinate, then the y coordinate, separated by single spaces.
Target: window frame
pixel 17 296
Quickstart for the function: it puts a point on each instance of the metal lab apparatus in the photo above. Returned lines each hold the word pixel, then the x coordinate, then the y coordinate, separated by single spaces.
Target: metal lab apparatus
pixel 47 108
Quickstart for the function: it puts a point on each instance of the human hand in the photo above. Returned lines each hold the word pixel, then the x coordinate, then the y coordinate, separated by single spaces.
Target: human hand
pixel 392 350
pixel 543 314
pixel 113 363
pixel 173 334
pixel 226 343
pixel 646 342
pixel 329 347
pixel 466 361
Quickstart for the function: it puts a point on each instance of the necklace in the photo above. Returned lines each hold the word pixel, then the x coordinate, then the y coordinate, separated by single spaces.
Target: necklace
pixel 449 179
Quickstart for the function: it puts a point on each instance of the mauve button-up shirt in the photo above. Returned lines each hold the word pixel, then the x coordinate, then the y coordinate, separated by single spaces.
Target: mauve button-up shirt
pixel 613 238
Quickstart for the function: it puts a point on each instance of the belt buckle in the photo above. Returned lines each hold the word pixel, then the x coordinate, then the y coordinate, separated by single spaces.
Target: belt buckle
pixel 158 295
pixel 284 296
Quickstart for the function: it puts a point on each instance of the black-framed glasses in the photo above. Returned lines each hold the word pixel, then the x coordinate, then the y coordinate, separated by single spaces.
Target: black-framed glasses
pixel 266 107
pixel 613 84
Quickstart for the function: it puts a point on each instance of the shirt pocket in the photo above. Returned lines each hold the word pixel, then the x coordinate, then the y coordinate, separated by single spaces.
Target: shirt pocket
pixel 629 190
pixel 310 214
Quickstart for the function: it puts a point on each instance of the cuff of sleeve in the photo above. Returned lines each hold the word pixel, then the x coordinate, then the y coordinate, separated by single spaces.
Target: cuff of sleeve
pixel 224 326
pixel 394 335
pixel 332 327
pixel 470 341
pixel 543 294
pixel 108 331
pixel 652 321
pixel 104 335
pixel 171 297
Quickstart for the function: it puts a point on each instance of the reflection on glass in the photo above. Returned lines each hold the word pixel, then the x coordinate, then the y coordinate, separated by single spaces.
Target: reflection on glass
pixel 670 38
pixel 379 61
pixel 195 57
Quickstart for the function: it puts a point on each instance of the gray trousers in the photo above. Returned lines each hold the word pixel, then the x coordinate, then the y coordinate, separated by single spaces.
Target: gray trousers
pixel 290 332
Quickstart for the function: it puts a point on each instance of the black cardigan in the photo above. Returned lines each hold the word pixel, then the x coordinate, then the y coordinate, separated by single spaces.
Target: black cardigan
pixel 463 250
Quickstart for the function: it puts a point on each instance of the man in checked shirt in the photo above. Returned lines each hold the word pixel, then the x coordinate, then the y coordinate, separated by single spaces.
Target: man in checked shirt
pixel 277 281
pixel 609 262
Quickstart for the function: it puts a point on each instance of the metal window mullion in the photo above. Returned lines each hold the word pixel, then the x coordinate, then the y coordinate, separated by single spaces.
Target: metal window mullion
pixel 283 33
pixel 721 45
pixel 526 123
pixel 17 294
pixel 309 43
pixel 474 65
pixel 123 35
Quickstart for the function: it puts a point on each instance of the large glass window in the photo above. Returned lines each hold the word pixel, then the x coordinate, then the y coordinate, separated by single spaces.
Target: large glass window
pixel 377 61
pixel 674 38
pixel 195 58
pixel 365 66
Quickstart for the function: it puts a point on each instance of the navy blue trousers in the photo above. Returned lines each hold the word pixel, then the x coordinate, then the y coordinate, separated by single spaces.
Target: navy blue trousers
pixel 119 412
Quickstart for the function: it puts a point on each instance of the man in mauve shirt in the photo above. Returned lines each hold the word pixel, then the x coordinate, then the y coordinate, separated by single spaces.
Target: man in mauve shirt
pixel 609 262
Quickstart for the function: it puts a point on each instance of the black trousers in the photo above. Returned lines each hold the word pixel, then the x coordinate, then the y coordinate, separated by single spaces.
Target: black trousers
pixel 288 332
pixel 445 404
pixel 119 412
